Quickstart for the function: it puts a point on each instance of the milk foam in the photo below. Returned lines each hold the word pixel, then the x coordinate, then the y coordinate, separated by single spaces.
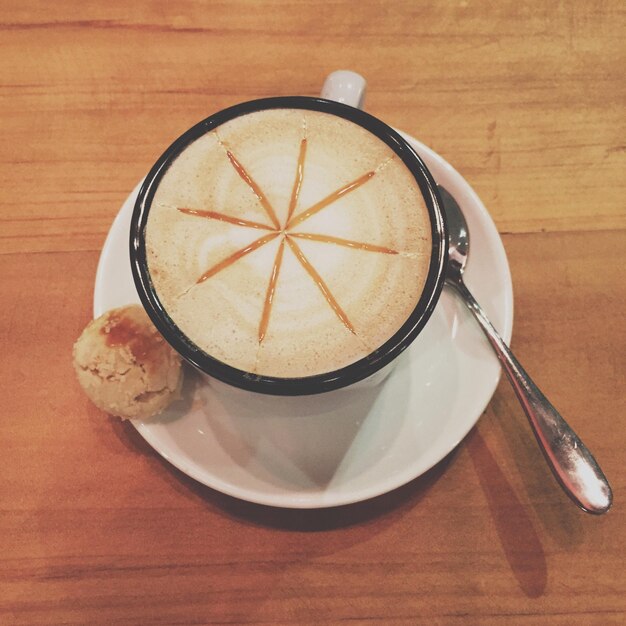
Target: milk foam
pixel 331 304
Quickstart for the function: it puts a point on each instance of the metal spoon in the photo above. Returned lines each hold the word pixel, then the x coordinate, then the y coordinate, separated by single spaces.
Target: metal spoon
pixel 570 461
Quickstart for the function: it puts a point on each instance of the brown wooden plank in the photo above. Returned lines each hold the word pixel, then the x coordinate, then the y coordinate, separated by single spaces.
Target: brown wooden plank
pixel 526 100
pixel 98 529
pixel 528 104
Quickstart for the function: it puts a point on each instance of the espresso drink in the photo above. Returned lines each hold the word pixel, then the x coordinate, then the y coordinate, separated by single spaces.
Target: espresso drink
pixel 288 242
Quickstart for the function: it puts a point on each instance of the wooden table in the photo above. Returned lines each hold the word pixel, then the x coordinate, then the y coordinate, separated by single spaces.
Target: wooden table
pixel 526 100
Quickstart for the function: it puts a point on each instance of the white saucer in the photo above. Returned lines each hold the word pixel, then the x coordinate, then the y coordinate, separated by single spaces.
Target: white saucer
pixel 356 444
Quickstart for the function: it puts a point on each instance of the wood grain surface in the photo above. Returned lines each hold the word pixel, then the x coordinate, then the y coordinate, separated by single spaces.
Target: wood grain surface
pixel 526 100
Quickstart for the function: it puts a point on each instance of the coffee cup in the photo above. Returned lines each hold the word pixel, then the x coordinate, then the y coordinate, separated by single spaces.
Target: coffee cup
pixel 291 245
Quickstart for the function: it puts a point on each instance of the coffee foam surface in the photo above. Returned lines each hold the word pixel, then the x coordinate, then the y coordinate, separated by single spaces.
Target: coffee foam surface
pixel 375 290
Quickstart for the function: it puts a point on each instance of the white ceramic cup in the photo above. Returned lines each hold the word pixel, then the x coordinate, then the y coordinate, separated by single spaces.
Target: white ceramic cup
pixel 343 94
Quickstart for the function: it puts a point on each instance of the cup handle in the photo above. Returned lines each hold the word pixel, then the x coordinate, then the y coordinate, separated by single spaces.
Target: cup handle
pixel 346 87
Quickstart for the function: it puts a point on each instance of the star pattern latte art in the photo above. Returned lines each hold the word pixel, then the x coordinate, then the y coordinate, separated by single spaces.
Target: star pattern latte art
pixel 288 237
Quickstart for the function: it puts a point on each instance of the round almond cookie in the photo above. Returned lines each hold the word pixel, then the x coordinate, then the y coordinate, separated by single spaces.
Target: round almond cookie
pixel 125 366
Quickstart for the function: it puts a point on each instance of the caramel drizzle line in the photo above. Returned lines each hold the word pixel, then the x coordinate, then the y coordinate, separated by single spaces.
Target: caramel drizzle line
pixel 236 256
pixel 224 218
pixel 334 305
pixel 255 188
pixel 298 182
pixel 329 199
pixel 271 288
pixel 370 247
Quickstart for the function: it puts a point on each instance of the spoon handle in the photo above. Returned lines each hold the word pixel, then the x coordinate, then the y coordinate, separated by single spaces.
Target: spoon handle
pixel 571 462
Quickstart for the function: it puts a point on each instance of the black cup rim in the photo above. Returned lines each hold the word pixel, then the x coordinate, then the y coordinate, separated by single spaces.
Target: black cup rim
pixel 318 383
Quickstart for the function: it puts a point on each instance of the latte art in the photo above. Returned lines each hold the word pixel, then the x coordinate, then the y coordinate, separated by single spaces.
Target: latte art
pixel 288 242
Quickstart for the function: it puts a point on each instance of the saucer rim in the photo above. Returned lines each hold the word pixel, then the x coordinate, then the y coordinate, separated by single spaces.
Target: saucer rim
pixel 333 498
